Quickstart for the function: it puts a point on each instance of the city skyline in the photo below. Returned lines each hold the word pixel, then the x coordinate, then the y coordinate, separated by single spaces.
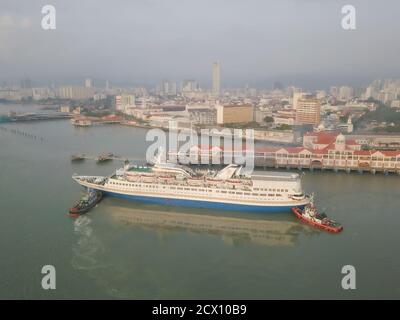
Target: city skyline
pixel 183 39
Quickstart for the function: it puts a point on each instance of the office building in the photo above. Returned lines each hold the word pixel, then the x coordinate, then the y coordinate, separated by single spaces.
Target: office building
pixel 308 111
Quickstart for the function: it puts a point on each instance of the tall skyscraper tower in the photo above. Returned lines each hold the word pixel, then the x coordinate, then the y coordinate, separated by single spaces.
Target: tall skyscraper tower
pixel 88 83
pixel 216 78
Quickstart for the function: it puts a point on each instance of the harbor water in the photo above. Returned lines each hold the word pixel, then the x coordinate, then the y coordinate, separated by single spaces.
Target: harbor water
pixel 128 250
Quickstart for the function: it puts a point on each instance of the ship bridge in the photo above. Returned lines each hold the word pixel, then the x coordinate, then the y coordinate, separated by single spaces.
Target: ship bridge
pixel 278 182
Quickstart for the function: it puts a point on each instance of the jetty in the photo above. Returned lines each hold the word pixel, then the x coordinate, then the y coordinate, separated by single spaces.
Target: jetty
pixel 38 116
pixel 104 157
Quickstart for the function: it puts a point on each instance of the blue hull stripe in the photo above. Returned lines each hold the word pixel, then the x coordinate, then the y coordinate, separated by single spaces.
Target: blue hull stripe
pixel 202 204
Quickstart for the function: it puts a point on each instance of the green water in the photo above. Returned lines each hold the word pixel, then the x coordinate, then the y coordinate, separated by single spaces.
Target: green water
pixel 108 254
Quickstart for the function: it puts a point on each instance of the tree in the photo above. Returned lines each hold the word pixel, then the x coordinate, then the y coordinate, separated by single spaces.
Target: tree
pixel 268 119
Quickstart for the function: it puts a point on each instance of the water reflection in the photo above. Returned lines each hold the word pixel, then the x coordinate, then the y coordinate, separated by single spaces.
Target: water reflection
pixel 118 245
pixel 233 228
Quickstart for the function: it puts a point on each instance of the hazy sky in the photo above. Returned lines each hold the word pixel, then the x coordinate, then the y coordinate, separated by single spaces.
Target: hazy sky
pixel 257 41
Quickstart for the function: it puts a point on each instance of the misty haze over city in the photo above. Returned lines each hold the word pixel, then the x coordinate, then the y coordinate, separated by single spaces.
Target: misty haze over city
pixel 208 153
pixel 257 42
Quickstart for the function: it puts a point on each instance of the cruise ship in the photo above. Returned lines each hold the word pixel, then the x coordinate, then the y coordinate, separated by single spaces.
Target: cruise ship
pixel 231 188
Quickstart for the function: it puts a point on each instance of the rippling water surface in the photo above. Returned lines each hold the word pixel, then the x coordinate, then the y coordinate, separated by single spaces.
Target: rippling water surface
pixel 123 249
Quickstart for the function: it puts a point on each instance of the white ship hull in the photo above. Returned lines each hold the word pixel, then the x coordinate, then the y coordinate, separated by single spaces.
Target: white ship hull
pixel 193 196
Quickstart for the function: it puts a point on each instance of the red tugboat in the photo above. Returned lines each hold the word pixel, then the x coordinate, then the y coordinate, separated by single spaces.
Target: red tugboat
pixel 87 202
pixel 311 216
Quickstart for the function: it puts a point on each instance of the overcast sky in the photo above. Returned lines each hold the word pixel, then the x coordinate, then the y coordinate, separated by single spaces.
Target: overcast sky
pixel 257 41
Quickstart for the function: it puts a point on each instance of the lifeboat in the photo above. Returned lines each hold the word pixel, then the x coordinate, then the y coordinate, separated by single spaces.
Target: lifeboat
pixel 195 181
pixel 133 178
pixel 213 181
pixel 165 179
pixel 234 181
pixel 147 178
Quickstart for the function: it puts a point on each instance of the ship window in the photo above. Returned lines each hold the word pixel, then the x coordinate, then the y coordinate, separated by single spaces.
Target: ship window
pixel 223 191
pixel 270 195
pixel 263 194
pixel 255 194
pixel 239 193
pixel 278 195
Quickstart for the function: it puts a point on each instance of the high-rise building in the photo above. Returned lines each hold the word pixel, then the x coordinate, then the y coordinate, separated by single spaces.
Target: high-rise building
pixel 296 96
pixel 334 91
pixel 320 94
pixel 124 102
pixel 75 93
pixel 189 85
pixel 346 93
pixel 168 88
pixel 308 111
pixel 88 83
pixel 216 78
pixel 118 103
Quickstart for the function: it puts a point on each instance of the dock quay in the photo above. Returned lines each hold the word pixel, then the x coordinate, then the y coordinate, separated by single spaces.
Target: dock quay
pixel 86 121
pixel 320 151
pixel 14 117
pixel 311 165
pixel 386 162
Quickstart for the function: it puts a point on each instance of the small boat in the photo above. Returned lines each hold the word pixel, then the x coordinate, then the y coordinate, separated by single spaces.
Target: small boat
pixel 87 202
pixel 311 216
pixel 77 157
pixel 105 157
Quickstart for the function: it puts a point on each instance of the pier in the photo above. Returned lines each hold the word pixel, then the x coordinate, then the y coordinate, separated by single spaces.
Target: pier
pixel 372 164
pixel 15 117
pixel 22 133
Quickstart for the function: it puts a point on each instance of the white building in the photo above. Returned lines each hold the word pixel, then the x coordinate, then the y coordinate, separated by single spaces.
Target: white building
pixel 88 83
pixel 216 78
pixel 297 95
pixel 75 93
pixel 346 93
pixel 124 102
